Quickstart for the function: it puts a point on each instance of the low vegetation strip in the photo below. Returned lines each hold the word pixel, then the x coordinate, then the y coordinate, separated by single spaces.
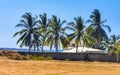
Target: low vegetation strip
pixel 16 56
pixel 59 56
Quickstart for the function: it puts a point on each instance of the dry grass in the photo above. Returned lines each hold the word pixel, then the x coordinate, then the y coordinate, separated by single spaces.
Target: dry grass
pixel 53 67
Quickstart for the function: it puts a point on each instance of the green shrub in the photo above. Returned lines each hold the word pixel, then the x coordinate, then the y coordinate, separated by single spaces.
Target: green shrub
pixel 49 58
pixel 67 59
pixel 40 58
pixel 16 56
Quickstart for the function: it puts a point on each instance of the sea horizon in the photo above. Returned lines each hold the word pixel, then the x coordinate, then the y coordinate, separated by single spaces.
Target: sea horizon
pixel 27 50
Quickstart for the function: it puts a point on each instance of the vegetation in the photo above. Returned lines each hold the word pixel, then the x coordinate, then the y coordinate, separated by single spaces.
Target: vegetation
pixel 56 34
pixel 78 34
pixel 38 32
pixel 114 46
pixel 97 32
pixel 43 28
pixel 16 56
pixel 40 58
pixel 28 34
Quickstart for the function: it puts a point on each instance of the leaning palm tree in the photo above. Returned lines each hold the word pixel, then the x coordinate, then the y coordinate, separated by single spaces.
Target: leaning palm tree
pixel 56 34
pixel 43 26
pixel 98 31
pixel 78 35
pixel 28 32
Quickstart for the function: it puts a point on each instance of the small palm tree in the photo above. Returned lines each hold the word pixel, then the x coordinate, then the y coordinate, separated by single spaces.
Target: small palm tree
pixel 43 27
pixel 98 31
pixel 117 52
pixel 56 34
pixel 78 34
pixel 112 42
pixel 28 33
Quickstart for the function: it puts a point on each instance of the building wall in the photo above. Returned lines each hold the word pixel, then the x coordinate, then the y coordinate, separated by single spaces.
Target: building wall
pixel 77 56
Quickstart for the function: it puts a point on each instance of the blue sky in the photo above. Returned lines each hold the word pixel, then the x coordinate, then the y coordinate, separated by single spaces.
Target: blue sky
pixel 12 10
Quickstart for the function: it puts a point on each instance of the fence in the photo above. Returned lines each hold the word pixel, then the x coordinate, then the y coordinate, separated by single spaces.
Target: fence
pixel 76 56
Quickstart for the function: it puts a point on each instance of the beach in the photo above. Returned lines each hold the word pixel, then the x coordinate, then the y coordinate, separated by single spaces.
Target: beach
pixel 56 67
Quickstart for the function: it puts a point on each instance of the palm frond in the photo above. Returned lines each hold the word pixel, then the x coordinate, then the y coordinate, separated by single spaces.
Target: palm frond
pixel 108 27
pixel 70 28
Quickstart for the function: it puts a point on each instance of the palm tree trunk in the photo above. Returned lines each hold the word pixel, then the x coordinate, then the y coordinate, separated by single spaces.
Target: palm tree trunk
pixel 77 48
pixel 42 47
pixel 37 48
pixel 29 50
pixel 57 47
pixel 117 58
pixel 43 40
pixel 34 47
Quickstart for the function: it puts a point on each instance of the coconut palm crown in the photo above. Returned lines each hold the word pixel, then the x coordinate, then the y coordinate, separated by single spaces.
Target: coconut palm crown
pixel 56 34
pixel 78 35
pixel 98 32
pixel 28 32
pixel 43 28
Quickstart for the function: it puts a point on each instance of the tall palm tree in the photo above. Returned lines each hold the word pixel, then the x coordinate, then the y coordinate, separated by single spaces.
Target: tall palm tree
pixel 56 34
pixel 43 26
pixel 98 31
pixel 28 32
pixel 78 35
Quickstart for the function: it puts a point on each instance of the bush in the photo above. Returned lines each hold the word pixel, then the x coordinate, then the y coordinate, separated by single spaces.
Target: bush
pixel 49 58
pixel 40 58
pixel 67 59
pixel 16 56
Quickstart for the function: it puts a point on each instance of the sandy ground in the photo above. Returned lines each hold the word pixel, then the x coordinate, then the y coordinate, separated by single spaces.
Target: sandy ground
pixel 54 67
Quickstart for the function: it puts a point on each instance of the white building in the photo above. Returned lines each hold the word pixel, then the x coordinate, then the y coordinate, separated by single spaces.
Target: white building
pixel 83 49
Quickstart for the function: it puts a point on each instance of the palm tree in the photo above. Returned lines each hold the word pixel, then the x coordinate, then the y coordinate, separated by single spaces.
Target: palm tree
pixel 78 34
pixel 28 33
pixel 88 33
pixel 112 42
pixel 43 28
pixel 56 34
pixel 98 32
pixel 114 46
pixel 117 52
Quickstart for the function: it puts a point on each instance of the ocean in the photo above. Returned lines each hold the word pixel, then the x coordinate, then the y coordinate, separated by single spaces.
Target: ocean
pixel 27 50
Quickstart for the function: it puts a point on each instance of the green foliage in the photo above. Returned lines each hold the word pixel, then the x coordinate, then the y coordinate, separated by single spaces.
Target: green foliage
pixel 43 28
pixel 39 31
pixel 40 58
pixel 117 46
pixel 78 35
pixel 112 43
pixel 97 28
pixel 67 59
pixel 28 33
pixel 56 34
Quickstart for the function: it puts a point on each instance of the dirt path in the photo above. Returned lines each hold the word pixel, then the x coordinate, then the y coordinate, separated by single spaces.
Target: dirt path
pixel 52 67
